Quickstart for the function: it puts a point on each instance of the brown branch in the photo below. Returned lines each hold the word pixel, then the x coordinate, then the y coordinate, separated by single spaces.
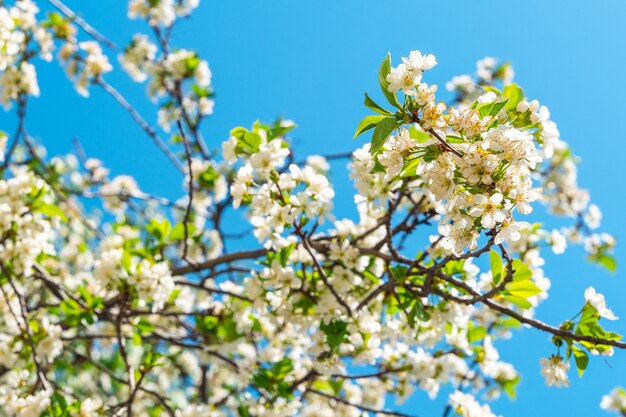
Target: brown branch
pixel 227 258
pixel 360 407
pixel 445 144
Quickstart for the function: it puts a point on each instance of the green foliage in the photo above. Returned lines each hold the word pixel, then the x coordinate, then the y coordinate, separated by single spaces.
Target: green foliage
pixel 272 379
pixel 381 132
pixel 336 333
pixel 51 210
pixel 491 109
pixel 368 122
pixel 514 94
pixel 385 69
pixel 496 266
pixel 369 103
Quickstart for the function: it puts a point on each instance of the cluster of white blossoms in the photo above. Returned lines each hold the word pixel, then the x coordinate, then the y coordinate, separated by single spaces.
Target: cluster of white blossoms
pixel 167 73
pixel 84 63
pixel 138 56
pixel 487 72
pixel 277 197
pixel 162 12
pixel 17 80
pixel 407 76
pixel 24 229
pixel 477 165
pixel 465 405
pixel 118 302
pixel 21 38
pixel 596 300
pixel 17 403
pixel 481 178
pixel 615 401
pixel 554 370
pixel 117 191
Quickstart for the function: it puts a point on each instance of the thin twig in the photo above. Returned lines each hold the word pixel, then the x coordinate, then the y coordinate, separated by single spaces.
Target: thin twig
pixel 141 122
pixel 83 24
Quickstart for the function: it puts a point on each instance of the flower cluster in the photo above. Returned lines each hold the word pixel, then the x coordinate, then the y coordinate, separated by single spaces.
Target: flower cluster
pixel 115 301
pixel 615 401
pixel 278 198
pixel 555 370
pixel 84 63
pixel 481 177
pixel 161 13
pixel 138 56
pixel 167 74
pixel 21 38
pixel 466 406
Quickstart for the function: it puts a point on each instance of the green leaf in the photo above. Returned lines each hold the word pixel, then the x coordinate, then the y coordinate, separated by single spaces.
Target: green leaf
pixel 208 178
pixel 247 142
pixel 279 130
pixel 159 229
pixel 191 64
pixel 475 334
pixel 385 69
pixel 399 271
pixel 511 322
pixel 178 232
pixel 582 359
pixel 524 289
pixel 607 261
pixel 454 139
pixel 496 266
pixel 515 94
pixel 518 301
pixel 591 327
pixel 56 19
pixel 372 105
pixel 419 135
pixel 419 311
pixel 509 386
pixel 252 141
pixel 336 332
pixel 491 109
pixel 145 327
pixel 522 271
pixel 52 210
pixel 200 91
pixel 381 133
pixel 368 122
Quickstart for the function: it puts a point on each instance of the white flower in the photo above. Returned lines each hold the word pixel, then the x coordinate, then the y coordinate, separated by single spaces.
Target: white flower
pixel 203 74
pixel 466 405
pixel 558 242
pixel 459 236
pixel 409 74
pixel 510 231
pixel 392 157
pixel 596 300
pixel 404 79
pixel 489 209
pixel 523 196
pixel 420 62
pixel 50 345
pixel 615 401
pixel 555 370
pixel 135 58
pixel 593 216
pixel 89 407
pixel 425 94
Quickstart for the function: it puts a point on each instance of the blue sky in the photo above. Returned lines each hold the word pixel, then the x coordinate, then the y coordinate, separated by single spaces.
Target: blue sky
pixel 312 61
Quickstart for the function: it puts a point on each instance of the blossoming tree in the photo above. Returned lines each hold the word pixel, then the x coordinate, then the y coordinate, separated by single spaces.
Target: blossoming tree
pixel 144 312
